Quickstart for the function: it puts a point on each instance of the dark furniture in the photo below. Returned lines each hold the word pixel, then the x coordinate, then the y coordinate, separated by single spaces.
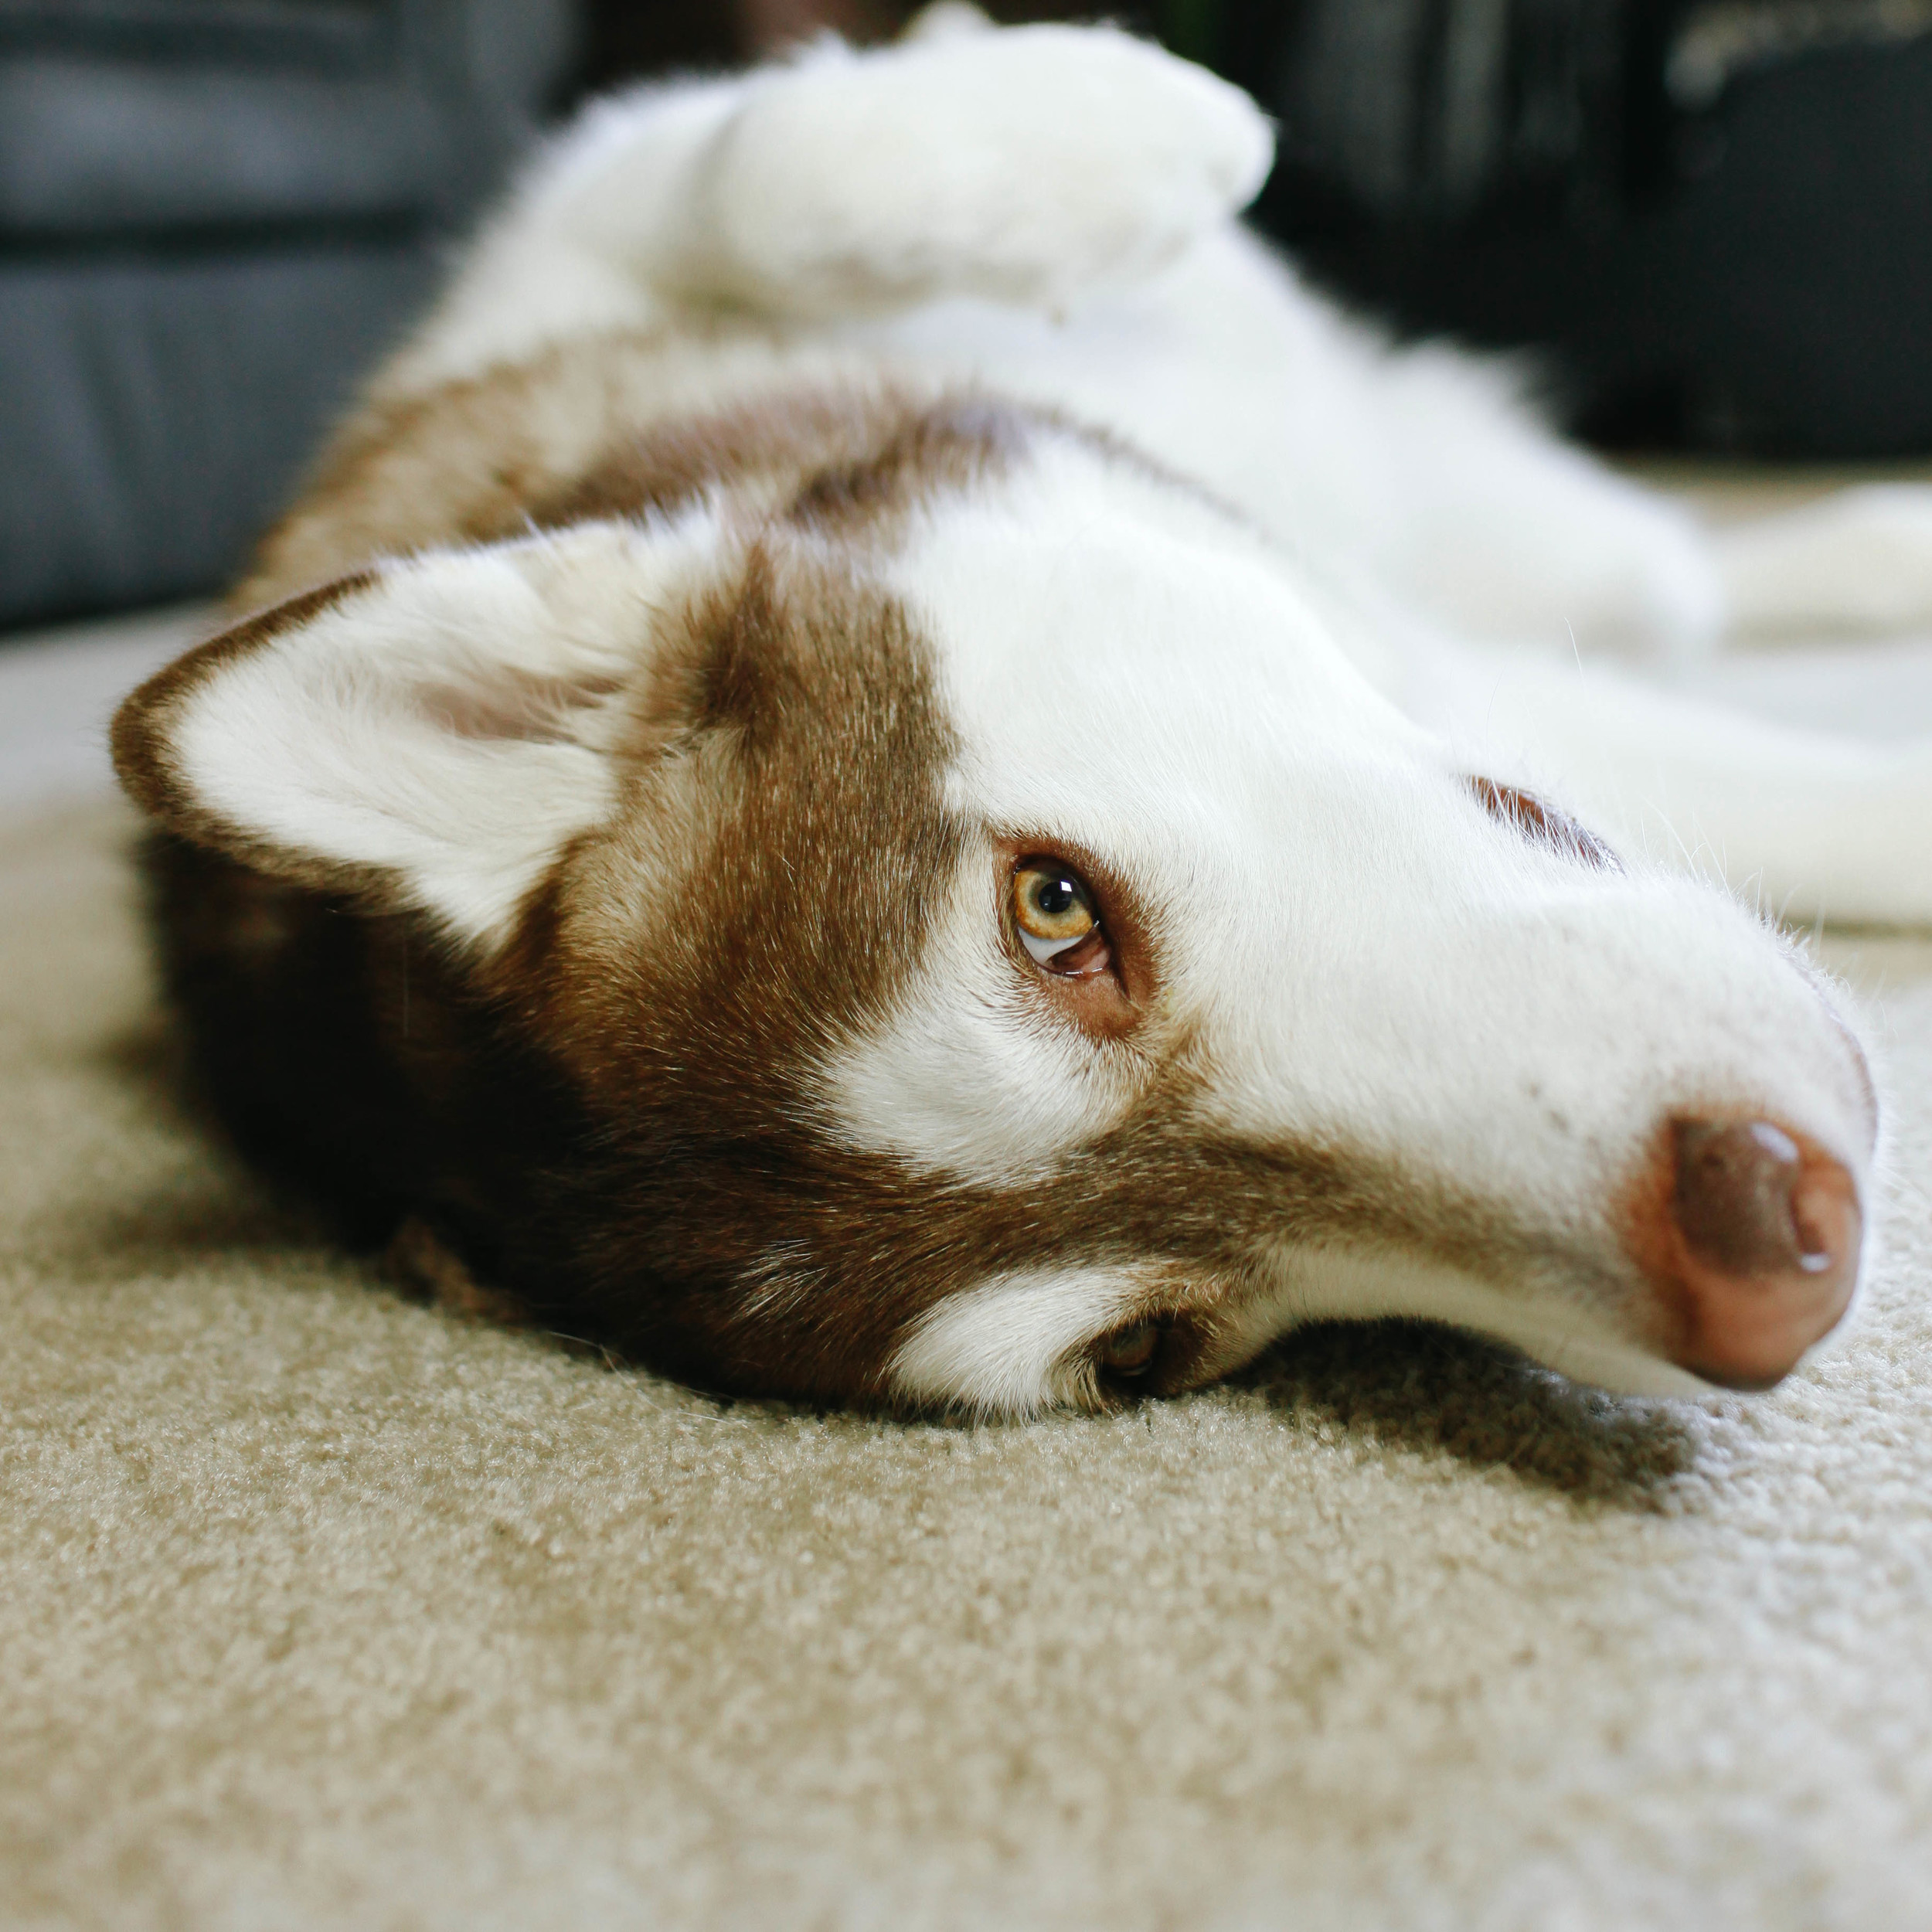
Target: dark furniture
pixel 213 213
pixel 1713 216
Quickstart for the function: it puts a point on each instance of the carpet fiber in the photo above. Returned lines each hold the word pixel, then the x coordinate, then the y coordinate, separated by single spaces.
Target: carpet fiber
pixel 318 1608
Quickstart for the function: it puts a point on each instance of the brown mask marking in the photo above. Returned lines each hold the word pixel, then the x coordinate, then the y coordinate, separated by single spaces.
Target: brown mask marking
pixel 707 1220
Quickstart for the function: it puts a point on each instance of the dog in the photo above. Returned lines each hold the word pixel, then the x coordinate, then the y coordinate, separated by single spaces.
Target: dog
pixel 887 767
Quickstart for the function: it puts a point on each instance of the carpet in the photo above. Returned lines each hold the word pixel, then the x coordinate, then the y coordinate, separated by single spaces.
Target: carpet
pixel 320 1607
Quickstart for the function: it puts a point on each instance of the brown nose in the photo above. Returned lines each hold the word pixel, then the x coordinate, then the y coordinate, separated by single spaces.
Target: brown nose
pixel 1767 1233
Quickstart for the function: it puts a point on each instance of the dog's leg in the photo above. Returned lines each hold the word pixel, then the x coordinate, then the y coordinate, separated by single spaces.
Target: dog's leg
pixel 1509 532
pixel 1029 166
pixel 1510 535
pixel 1859 559
pixel 1427 466
pixel 1811 826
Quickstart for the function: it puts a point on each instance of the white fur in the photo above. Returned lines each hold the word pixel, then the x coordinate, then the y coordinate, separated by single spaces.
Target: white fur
pixel 1049 207
pixel 1261 719
pixel 1547 1320
pixel 968 1085
pixel 1003 1348
pixel 1862 557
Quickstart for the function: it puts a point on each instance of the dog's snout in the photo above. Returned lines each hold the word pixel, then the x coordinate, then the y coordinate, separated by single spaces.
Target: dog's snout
pixel 1758 1253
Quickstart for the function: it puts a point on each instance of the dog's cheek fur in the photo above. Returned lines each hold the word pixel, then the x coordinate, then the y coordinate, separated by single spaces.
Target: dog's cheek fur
pixel 350 1055
pixel 760 898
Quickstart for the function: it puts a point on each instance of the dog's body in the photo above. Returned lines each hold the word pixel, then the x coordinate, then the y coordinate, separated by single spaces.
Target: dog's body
pixel 907 781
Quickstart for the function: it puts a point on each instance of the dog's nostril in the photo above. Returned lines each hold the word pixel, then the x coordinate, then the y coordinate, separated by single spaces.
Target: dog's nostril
pixel 1769 1230
pixel 1734 1199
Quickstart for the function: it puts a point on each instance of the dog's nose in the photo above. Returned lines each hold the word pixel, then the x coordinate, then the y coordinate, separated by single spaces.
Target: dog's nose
pixel 1767 1230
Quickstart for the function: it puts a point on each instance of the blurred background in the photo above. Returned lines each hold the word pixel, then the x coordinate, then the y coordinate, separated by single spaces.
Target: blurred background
pixel 1712 218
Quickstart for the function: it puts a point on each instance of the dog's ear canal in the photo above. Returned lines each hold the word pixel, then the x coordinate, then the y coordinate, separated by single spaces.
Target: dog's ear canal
pixel 430 732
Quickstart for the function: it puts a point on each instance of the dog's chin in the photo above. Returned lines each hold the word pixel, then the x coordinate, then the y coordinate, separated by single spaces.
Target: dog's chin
pixel 1623 1369
pixel 1332 1285
pixel 1620 1369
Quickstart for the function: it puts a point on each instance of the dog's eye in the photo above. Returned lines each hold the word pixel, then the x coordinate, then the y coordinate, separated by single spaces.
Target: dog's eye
pixel 1054 914
pixel 1130 1352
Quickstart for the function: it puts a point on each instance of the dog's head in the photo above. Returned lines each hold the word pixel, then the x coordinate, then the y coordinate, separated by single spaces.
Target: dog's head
pixel 996 949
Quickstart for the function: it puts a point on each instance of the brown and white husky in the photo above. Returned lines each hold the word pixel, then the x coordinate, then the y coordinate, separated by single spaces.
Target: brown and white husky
pixel 887 767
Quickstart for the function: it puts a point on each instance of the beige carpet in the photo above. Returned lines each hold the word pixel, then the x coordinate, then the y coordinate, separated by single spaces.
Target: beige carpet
pixel 318 1608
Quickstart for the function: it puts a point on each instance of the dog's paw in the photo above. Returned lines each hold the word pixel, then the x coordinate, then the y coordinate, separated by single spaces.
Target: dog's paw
pixel 1860 559
pixel 942 20
pixel 1026 165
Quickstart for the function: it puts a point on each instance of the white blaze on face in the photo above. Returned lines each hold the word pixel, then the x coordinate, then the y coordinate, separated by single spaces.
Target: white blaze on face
pixel 1355 955
pixel 970 1082
pixel 1119 690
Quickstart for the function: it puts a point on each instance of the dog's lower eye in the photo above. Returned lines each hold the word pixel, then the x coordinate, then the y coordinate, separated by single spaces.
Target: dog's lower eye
pixel 1054 914
pixel 1131 1352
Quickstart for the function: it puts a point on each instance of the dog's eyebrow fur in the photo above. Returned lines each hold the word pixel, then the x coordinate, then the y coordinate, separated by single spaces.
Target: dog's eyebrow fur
pixel 1542 824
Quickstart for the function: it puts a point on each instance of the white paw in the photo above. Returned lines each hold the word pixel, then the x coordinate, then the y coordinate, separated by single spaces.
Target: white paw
pixel 944 18
pixel 1025 165
pixel 1860 559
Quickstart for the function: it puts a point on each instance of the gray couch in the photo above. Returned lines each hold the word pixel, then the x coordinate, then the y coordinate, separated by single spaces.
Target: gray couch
pixel 213 213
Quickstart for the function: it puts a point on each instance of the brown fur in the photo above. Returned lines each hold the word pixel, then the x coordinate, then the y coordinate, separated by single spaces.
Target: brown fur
pixel 629 424
pixel 623 426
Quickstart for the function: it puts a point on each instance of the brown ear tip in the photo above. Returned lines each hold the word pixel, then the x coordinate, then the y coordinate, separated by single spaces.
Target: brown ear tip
pixel 135 739
pixel 138 737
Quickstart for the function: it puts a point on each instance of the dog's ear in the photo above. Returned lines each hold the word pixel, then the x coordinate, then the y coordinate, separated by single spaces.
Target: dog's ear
pixel 430 731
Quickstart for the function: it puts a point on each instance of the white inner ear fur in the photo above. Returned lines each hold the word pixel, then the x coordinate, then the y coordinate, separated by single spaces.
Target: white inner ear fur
pixel 446 724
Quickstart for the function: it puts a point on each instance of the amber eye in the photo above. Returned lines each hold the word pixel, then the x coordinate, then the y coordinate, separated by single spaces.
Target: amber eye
pixel 1054 915
pixel 1130 1352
